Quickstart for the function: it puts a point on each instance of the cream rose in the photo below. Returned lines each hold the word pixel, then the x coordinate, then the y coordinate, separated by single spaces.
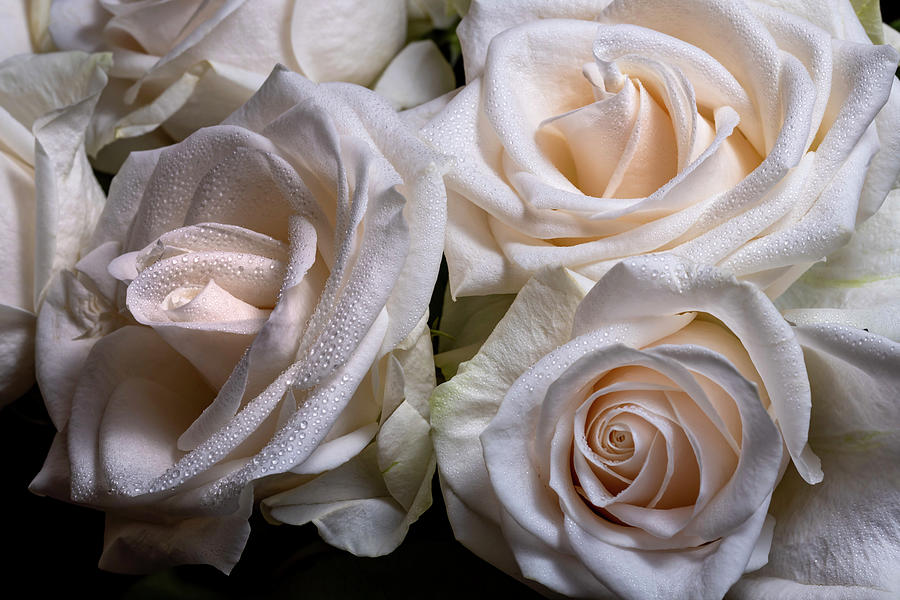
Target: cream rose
pixel 189 64
pixel 49 199
pixel 252 318
pixel 750 135
pixel 624 441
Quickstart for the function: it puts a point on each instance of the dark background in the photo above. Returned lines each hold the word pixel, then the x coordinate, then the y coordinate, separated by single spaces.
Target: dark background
pixel 53 547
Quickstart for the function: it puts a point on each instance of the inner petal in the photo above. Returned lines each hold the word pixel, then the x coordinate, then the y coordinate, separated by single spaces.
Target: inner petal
pixel 595 136
pixel 713 335
pixel 178 290
pixel 614 432
pixel 621 146
pixel 618 439
pixel 208 303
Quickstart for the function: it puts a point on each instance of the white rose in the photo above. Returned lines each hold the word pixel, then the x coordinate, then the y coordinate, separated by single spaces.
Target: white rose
pixel 745 135
pixel 49 199
pixel 265 330
pixel 187 65
pixel 624 442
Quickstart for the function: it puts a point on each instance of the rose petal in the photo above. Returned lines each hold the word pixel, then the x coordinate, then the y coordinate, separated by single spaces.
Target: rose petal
pixel 350 507
pixel 705 571
pixel 167 197
pixel 16 352
pixel 485 20
pixel 132 546
pixel 17 233
pixel 332 454
pixel 275 345
pixel 261 47
pixel 858 285
pixel 751 54
pixel 140 353
pixel 422 172
pixel 415 75
pixel 71 320
pixel 14 20
pixel 347 41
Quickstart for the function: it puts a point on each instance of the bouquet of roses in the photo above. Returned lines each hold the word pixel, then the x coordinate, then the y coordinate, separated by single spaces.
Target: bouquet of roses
pixel 625 274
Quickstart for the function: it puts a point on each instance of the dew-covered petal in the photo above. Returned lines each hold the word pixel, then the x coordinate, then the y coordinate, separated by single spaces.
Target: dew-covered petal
pixel 275 345
pixel 522 94
pixel 168 195
pixel 139 354
pixel 859 284
pixel 485 20
pixel 422 171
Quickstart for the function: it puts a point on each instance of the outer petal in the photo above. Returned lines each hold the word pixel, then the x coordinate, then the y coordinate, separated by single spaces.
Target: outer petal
pixel 80 304
pixel 16 352
pixel 837 17
pixel 73 318
pixel 859 285
pixel 14 24
pixel 477 264
pixel 421 170
pixel 839 539
pixel 350 506
pixel 69 199
pixel 202 96
pixel 417 74
pixel 349 40
pixel 49 198
pixel 17 238
pixel 485 19
pixel 367 504
pixel 134 546
pixel 538 321
pixel 77 24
